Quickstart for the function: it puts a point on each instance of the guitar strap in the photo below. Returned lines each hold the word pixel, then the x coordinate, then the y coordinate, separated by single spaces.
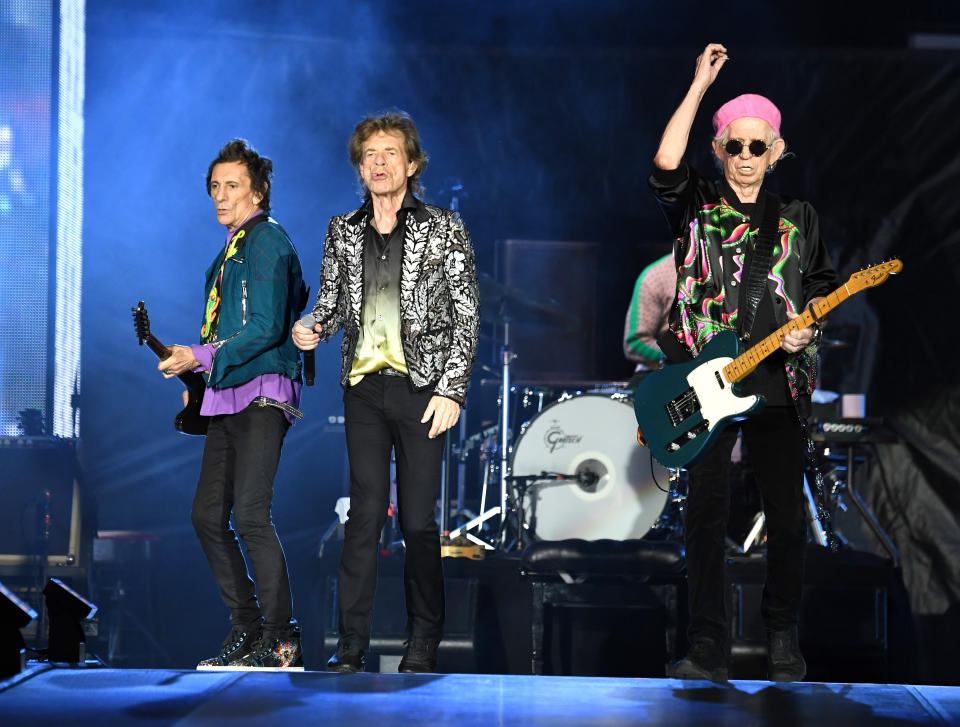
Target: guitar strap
pixel 756 266
pixel 813 464
pixel 211 311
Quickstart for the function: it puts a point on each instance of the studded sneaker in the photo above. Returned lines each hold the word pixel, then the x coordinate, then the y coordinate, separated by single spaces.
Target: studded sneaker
pixel 273 653
pixel 236 646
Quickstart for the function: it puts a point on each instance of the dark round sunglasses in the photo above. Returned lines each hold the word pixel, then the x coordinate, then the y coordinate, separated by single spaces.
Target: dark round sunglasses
pixel 756 147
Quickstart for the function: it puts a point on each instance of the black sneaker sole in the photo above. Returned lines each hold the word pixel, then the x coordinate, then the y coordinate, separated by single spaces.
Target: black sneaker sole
pixel 687 669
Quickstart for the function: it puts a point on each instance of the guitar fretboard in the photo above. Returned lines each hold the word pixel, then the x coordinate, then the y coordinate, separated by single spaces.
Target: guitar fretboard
pixel 747 362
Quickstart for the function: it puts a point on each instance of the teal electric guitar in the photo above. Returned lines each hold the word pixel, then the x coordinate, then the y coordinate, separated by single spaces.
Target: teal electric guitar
pixel 682 408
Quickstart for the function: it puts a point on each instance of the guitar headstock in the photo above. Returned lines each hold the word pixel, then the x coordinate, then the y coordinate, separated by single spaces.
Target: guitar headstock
pixel 874 275
pixel 141 322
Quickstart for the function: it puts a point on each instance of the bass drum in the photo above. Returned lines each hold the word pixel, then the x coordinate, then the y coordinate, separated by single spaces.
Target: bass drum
pixel 594 437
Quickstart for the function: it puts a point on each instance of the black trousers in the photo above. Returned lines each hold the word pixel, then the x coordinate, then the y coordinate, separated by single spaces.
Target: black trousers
pixel 382 413
pixel 240 460
pixel 773 443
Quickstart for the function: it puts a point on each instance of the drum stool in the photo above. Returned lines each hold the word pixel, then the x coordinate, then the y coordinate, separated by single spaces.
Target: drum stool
pixel 609 573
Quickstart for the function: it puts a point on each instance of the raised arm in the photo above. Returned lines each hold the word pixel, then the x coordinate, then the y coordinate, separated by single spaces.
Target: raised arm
pixel 673 143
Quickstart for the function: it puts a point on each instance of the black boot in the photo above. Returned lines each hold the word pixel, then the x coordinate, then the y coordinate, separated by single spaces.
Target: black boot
pixel 784 661
pixel 348 659
pixel 705 659
pixel 420 656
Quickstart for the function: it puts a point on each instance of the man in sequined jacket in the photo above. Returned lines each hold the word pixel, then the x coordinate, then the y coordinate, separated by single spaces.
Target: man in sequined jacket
pixel 398 276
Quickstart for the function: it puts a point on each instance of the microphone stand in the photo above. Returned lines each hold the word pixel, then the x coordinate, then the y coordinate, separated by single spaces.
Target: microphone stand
pixel 43 566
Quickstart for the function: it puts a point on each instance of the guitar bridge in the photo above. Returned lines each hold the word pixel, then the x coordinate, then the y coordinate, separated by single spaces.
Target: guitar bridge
pixel 688 436
pixel 683 406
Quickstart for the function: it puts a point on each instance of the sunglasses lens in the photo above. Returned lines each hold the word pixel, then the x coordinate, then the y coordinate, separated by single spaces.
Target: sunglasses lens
pixel 733 147
pixel 757 147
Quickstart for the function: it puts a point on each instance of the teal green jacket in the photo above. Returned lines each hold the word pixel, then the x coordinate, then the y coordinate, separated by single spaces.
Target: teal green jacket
pixel 261 298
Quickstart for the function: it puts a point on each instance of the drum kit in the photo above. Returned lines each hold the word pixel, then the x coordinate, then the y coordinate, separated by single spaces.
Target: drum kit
pixel 561 460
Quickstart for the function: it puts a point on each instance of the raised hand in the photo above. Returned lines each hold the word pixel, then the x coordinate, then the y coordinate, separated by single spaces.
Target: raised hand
pixel 709 64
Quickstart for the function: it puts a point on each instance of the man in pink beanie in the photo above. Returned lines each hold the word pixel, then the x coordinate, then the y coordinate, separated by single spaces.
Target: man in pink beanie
pixel 747 261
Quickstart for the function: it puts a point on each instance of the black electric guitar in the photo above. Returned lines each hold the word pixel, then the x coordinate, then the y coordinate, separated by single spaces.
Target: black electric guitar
pixel 190 420
pixel 681 409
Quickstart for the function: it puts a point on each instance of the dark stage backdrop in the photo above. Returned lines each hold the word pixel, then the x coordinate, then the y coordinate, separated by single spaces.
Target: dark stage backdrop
pixel 550 141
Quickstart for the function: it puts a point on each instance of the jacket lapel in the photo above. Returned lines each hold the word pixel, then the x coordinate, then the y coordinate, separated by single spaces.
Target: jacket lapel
pixel 355 226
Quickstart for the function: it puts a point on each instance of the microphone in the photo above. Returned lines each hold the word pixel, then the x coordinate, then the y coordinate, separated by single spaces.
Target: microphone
pixel 309 359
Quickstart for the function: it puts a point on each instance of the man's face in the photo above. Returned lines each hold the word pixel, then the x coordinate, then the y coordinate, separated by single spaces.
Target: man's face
pixel 233 199
pixel 744 169
pixel 384 166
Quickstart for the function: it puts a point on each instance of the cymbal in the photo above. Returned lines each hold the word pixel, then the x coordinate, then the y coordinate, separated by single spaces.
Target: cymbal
pixel 500 303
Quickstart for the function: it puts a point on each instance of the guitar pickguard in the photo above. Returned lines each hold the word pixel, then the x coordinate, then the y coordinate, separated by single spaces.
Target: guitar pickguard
pixel 718 400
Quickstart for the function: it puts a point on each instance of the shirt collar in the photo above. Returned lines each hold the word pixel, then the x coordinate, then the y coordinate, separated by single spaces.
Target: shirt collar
pixel 409 203
pixel 235 230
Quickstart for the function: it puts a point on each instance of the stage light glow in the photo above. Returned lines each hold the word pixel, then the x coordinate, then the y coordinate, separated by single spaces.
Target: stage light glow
pixel 69 251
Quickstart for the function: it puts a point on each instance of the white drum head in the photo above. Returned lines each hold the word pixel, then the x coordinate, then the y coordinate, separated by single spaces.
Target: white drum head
pixel 597 434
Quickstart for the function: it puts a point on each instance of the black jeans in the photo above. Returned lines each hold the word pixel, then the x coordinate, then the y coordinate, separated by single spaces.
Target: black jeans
pixel 240 460
pixel 773 442
pixel 383 413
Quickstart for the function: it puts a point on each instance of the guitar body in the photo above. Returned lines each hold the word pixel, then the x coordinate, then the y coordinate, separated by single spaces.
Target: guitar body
pixel 190 420
pixel 681 409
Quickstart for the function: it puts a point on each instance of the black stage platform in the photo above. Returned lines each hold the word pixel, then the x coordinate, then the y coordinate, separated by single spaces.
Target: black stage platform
pixel 134 698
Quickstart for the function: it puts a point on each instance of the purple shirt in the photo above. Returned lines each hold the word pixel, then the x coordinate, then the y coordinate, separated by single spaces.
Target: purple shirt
pixel 237 398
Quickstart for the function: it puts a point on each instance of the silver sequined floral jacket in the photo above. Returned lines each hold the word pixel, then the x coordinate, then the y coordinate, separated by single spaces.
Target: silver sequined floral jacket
pixel 439 298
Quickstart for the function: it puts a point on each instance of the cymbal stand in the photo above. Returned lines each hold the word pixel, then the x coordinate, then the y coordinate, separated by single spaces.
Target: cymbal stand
pixel 453 452
pixel 506 356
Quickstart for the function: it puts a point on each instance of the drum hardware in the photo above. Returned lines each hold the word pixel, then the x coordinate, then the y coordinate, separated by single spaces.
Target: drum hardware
pixel 507 305
pixel 670 524
pixel 587 479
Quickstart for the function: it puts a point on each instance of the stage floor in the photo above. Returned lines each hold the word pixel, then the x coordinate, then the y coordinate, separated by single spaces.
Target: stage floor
pixel 135 697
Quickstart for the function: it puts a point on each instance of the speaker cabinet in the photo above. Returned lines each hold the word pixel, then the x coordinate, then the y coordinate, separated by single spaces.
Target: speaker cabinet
pixel 41 510
pixel 844 617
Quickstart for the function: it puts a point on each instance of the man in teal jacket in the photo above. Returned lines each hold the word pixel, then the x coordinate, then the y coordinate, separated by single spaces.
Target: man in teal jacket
pixel 254 293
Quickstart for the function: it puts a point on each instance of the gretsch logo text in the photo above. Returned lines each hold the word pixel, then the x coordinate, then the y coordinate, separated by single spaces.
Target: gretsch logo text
pixel 556 437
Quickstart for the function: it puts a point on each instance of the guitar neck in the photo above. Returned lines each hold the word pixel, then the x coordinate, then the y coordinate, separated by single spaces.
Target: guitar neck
pixel 747 362
pixel 158 348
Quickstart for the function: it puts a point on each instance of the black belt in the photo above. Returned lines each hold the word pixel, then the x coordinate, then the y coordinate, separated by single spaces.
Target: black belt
pixel 389 372
pixel 267 401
